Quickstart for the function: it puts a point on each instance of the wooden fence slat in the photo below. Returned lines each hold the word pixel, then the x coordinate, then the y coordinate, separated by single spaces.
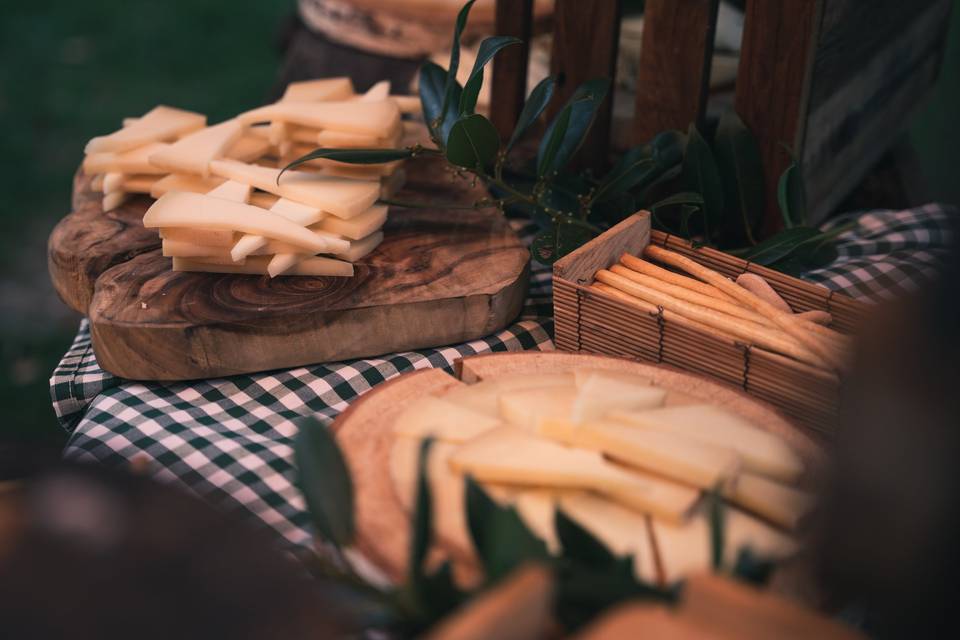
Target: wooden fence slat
pixel 674 76
pixel 509 83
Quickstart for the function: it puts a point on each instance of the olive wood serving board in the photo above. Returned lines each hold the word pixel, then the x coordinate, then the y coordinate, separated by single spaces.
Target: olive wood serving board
pixel 365 434
pixel 439 277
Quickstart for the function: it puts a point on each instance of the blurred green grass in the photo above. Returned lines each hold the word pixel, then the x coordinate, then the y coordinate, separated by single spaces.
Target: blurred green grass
pixel 72 70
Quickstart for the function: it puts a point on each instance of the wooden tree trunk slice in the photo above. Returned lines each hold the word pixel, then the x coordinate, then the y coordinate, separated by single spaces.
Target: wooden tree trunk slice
pixel 365 434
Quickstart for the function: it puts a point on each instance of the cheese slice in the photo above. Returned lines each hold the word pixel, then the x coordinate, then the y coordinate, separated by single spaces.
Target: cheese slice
pixel 113 200
pixel 361 248
pixel 339 88
pixel 623 531
pixel 508 455
pixel 357 227
pixel 379 119
pixel 782 505
pixel 248 148
pixel 159 124
pixel 340 197
pixel 671 456
pixel 112 181
pixel 761 451
pixel 193 153
pixel 526 408
pixel 258 266
pixel 233 191
pixel 137 183
pixel 263 200
pixel 132 161
pixel 184 249
pixel 180 182
pixel 484 396
pixel 295 212
pixel 379 91
pixel 408 104
pixel 283 262
pixel 203 238
pixel 285 255
pixel 601 393
pixel 96 183
pixel 685 548
pixel 181 209
pixel 444 420
pixel 341 140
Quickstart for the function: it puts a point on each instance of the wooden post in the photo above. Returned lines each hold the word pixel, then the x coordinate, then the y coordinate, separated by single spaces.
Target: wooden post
pixel 585 39
pixel 509 83
pixel 773 82
pixel 674 76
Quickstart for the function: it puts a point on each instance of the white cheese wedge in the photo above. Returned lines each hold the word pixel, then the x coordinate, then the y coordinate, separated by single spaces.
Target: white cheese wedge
pixel 537 508
pixel 761 451
pixel 622 530
pixel 136 183
pixel 295 212
pixel 96 183
pixel 526 408
pixel 685 548
pixel 340 197
pixel 361 248
pixel 357 227
pixel 248 148
pixel 193 153
pixel 484 396
pixel 112 182
pixel 182 249
pixel 258 266
pixel 179 182
pixel 379 119
pixel 444 420
pixel 132 161
pixel 159 124
pixel 285 255
pixel 209 238
pixel 601 393
pixel 283 262
pixel 508 455
pixel 113 200
pixel 233 191
pixel 341 140
pixel 408 104
pixel 379 91
pixel 339 88
pixel 302 135
pixel 216 262
pixel 192 210
pixel 263 200
pixel 782 505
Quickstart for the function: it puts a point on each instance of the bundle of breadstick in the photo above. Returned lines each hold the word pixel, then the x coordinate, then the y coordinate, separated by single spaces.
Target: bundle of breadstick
pixel 748 310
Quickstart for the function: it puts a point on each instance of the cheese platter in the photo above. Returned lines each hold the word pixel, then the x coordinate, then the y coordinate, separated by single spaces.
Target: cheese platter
pixel 195 256
pixel 526 426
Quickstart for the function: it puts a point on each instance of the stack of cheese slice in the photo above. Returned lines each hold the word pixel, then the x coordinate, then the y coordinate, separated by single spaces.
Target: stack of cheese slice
pixel 222 205
pixel 629 461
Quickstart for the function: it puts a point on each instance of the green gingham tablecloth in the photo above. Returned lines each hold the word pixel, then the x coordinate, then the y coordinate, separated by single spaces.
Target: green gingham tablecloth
pixel 230 439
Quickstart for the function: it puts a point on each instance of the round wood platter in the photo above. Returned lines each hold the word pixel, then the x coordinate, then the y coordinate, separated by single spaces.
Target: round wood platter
pixel 439 277
pixel 365 434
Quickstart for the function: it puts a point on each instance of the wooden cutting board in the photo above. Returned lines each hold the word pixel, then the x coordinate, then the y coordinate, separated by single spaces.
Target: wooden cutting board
pixel 365 434
pixel 440 277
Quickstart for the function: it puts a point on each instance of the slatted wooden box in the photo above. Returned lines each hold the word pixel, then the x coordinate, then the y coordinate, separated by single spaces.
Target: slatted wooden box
pixel 592 321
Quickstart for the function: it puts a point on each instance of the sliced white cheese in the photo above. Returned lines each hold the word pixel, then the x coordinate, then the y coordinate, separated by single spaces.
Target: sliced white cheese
pixel 193 153
pixel 132 161
pixel 179 182
pixel 233 191
pixel 370 118
pixel 295 212
pixel 96 183
pixel 600 393
pixel 361 248
pixel 210 238
pixel 408 104
pixel 444 420
pixel 113 200
pixel 258 266
pixel 339 88
pixel 778 503
pixel 136 183
pixel 761 451
pixel 508 455
pixel 341 140
pixel 283 262
pixel 248 148
pixel 184 249
pixel 379 91
pixel 112 181
pixel 192 210
pixel 357 227
pixel 484 396
pixel 263 200
pixel 159 124
pixel 685 548
pixel 340 197
pixel 526 408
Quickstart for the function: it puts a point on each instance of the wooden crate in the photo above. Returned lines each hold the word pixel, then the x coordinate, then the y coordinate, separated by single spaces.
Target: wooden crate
pixel 588 320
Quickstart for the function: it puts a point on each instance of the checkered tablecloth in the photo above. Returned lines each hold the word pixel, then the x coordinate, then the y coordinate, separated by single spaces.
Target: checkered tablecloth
pixel 230 438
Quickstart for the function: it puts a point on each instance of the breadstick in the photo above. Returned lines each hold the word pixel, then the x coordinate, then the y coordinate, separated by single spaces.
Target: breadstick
pixel 759 287
pixel 787 322
pixel 744 330
pixel 649 269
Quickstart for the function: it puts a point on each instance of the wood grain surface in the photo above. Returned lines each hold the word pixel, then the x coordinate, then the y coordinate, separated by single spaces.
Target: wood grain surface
pixel 365 434
pixel 440 277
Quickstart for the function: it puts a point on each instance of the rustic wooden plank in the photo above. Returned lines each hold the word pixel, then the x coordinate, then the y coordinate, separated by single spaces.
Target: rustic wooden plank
pixel 674 77
pixel 629 236
pixel 773 81
pixel 509 83
pixel 585 38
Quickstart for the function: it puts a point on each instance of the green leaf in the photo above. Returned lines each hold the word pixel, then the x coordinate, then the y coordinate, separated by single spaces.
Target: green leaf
pixel 717 529
pixel 536 102
pixel 632 168
pixel 779 246
pixel 351 156
pixel 451 98
pixel 473 142
pixel 753 569
pixel 741 170
pixel 792 196
pixel 816 253
pixel 700 174
pixel 503 542
pixel 422 516
pixel 488 48
pixel 566 133
pixel 579 544
pixel 683 197
pixel 552 244
pixel 433 87
pixel 324 480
